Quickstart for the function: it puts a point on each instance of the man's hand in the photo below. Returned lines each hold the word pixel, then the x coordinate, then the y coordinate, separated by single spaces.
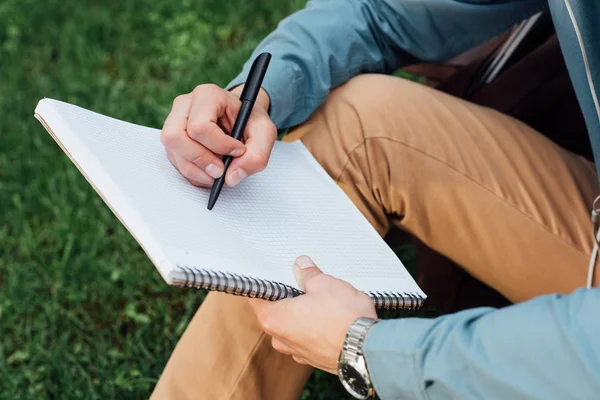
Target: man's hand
pixel 312 327
pixel 196 135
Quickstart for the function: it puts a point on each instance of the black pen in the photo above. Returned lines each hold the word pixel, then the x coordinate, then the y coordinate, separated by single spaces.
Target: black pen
pixel 248 97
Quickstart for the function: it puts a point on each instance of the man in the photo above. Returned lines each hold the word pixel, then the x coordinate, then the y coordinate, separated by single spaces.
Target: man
pixel 481 188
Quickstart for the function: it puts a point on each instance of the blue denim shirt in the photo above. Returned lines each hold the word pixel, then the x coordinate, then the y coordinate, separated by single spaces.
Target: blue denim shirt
pixel 545 348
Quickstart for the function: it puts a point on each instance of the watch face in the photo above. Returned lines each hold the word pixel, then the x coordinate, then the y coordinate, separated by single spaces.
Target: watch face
pixel 354 380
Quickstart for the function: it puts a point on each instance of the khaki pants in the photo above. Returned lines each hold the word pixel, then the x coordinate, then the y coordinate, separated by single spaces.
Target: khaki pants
pixel 481 188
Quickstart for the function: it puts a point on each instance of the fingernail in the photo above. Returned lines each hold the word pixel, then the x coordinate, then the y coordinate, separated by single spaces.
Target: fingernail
pixel 213 171
pixel 236 152
pixel 304 262
pixel 237 177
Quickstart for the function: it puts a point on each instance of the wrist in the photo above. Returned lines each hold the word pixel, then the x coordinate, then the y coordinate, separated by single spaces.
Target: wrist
pixel 352 367
pixel 262 99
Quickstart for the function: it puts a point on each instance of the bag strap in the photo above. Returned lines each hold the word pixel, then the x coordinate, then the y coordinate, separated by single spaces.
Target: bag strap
pixel 535 88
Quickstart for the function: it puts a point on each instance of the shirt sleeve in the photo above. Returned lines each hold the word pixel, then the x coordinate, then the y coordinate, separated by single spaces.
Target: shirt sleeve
pixel 330 41
pixel 545 348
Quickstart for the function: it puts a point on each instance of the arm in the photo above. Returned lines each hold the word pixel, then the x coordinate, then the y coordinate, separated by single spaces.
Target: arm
pixel 315 50
pixel 545 348
pixel 330 41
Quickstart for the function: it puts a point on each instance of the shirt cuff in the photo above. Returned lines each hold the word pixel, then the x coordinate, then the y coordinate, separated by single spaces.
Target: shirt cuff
pixel 280 83
pixel 394 357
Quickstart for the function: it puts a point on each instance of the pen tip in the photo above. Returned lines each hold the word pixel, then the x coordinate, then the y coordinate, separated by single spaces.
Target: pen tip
pixel 214 192
pixel 211 203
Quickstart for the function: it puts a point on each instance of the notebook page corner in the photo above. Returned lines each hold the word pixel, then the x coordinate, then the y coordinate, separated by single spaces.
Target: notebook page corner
pixel 53 114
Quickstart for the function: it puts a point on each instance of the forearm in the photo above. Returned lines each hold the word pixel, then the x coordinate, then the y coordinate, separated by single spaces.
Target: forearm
pixel 318 48
pixel 262 98
pixel 545 348
pixel 328 42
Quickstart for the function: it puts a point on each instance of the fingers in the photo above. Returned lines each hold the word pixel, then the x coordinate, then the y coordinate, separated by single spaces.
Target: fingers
pixel 300 360
pixel 210 104
pixel 268 314
pixel 304 270
pixel 177 143
pixel 274 316
pixel 177 118
pixel 260 136
pixel 284 348
pixel 187 149
pixel 176 123
pixel 194 174
pixel 281 347
pixel 194 131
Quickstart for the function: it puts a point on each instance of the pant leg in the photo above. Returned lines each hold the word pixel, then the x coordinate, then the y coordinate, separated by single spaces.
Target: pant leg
pixel 479 187
pixel 223 354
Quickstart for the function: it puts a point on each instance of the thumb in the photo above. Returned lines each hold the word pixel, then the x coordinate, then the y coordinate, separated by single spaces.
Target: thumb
pixel 305 269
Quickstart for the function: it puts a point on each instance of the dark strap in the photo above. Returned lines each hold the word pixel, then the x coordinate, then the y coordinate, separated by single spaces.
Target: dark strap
pixel 535 89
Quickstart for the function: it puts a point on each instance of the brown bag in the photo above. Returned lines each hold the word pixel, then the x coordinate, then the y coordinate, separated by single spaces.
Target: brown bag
pixel 534 88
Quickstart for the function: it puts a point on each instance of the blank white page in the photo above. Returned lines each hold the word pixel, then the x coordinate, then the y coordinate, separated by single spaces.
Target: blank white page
pixel 256 229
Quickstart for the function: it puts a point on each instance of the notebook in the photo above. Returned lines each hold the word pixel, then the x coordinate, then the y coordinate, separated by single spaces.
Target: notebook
pixel 247 244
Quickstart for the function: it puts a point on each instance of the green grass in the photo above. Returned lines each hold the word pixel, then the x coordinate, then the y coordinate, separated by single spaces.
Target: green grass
pixel 83 314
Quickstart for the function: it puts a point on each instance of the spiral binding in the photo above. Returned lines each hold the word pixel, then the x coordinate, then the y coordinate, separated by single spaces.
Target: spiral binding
pixel 239 285
pixel 248 286
pixel 397 300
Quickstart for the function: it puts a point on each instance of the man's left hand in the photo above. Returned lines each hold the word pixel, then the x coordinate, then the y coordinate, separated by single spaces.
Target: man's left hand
pixel 312 327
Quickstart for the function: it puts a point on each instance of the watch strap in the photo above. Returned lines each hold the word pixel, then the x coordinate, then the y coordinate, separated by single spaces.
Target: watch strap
pixel 355 338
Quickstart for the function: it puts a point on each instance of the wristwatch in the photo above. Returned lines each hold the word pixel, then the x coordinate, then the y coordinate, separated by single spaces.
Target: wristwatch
pixel 352 368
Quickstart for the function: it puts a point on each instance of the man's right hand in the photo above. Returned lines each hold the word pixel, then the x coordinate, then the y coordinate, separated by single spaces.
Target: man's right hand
pixel 196 135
